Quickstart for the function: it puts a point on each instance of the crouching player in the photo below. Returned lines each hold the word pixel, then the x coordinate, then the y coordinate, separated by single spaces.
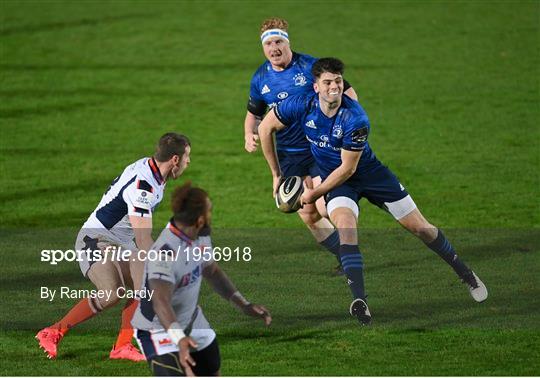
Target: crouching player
pixel 171 329
pixel 122 219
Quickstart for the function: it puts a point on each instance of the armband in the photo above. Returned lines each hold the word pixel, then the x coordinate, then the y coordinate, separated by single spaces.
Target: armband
pixel 257 108
pixel 175 332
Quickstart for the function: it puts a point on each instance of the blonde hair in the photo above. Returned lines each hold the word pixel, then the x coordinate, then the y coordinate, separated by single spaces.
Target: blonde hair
pixel 274 23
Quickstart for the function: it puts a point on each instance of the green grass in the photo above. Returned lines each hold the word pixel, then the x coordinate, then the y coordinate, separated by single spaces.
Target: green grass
pixel 452 91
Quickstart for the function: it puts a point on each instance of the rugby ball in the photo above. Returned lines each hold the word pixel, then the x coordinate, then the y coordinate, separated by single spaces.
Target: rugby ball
pixel 289 193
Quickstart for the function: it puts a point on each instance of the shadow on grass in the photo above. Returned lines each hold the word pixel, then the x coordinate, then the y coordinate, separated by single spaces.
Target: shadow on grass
pixel 21 283
pixel 50 26
pixel 35 193
pixel 46 109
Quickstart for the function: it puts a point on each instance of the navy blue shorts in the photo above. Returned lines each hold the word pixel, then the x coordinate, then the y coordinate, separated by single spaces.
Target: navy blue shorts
pixel 379 186
pixel 297 164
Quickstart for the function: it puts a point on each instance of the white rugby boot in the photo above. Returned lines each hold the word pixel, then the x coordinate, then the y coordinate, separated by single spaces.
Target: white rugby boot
pixel 477 289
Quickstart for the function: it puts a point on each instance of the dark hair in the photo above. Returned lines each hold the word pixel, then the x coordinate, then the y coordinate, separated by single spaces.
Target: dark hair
pixel 169 145
pixel 188 204
pixel 332 65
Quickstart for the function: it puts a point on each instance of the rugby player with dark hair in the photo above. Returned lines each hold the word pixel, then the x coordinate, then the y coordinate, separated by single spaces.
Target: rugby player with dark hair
pixel 123 215
pixel 171 328
pixel 350 170
pixel 286 73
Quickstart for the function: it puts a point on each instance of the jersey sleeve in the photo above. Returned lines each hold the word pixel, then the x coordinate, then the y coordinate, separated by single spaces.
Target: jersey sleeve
pixel 290 109
pixel 356 134
pixel 161 268
pixel 256 104
pixel 139 198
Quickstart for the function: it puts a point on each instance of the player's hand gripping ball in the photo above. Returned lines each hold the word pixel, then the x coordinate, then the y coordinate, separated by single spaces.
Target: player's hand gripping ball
pixel 289 193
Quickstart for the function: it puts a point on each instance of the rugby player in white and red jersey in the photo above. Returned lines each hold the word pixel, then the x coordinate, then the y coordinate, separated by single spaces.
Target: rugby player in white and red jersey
pixel 122 220
pixel 171 328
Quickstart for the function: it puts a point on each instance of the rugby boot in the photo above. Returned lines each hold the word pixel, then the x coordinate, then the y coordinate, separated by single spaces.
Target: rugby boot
pixel 126 352
pixel 477 289
pixel 360 309
pixel 49 338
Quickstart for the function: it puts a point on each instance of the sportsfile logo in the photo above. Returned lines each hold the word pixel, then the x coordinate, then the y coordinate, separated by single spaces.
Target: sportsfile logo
pixel 165 254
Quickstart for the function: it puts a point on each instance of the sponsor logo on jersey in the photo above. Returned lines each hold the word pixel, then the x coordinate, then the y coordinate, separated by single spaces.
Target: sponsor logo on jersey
pixel 142 200
pixel 311 124
pixel 337 132
pixel 300 80
pixel 322 143
pixel 282 95
pixel 189 278
pixel 360 135
pixel 165 341
pixel 265 89
pixel 324 138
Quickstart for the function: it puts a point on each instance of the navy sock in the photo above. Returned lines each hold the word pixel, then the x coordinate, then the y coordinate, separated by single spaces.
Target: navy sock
pixel 331 243
pixel 353 266
pixel 444 249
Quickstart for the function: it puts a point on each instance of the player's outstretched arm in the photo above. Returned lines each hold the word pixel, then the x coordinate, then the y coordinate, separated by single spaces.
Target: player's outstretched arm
pixel 269 125
pixel 349 162
pixel 222 285
pixel 251 136
pixel 161 303
pixel 142 227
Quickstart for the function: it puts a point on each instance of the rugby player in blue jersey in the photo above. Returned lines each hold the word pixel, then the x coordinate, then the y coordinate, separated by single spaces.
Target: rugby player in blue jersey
pixel 283 74
pixel 337 129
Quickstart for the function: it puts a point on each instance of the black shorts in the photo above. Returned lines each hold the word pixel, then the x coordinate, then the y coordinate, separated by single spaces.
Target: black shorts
pixel 208 362
pixel 299 163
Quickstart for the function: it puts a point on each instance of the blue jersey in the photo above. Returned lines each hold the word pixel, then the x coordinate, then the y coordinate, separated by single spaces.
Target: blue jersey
pixel 270 87
pixel 348 129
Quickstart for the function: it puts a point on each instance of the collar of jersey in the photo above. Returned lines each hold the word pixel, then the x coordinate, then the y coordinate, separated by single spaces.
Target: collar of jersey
pixel 335 116
pixel 155 170
pixel 178 232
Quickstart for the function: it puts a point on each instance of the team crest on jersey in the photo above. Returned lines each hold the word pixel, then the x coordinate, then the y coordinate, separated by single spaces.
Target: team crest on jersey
pixel 282 95
pixel 337 132
pixel 300 80
pixel 265 89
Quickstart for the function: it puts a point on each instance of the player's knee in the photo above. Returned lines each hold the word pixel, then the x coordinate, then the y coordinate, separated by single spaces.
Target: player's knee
pixel 343 221
pixel 109 299
pixel 423 230
pixel 310 216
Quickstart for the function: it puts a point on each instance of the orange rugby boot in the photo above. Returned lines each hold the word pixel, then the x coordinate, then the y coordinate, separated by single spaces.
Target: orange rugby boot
pixel 49 338
pixel 126 352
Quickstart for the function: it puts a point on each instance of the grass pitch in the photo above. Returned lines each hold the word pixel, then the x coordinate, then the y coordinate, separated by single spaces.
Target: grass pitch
pixel 451 89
